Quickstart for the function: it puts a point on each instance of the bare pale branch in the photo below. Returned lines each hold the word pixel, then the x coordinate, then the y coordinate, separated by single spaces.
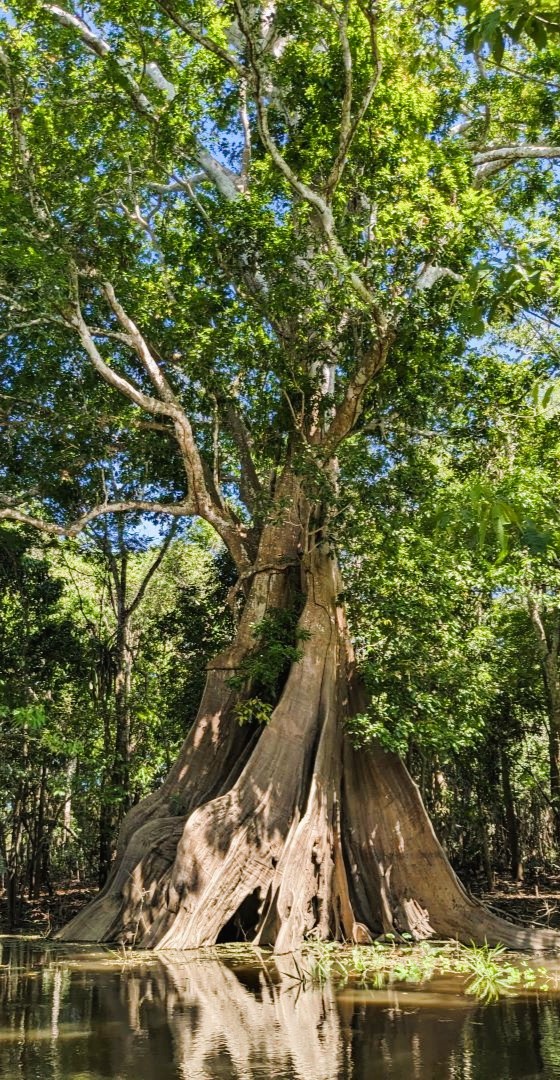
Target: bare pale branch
pixel 350 121
pixel 496 159
pixel 202 39
pixel 313 198
pixel 224 179
pixel 140 506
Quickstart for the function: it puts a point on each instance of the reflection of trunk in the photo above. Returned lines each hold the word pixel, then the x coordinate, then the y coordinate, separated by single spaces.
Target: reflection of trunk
pixel 242 1025
pixel 511 819
pixel 281 832
pixel 548 638
pixel 194 1017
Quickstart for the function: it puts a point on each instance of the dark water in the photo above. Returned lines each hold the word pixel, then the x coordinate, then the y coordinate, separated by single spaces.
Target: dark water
pixel 86 1014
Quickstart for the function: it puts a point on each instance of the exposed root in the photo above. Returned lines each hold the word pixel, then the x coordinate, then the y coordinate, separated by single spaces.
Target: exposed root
pixel 413 888
pixel 231 846
pixel 151 830
pixel 308 894
pixel 287 832
pixel 210 761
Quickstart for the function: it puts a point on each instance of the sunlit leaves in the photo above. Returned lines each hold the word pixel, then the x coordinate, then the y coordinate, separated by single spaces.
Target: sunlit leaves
pixel 511 22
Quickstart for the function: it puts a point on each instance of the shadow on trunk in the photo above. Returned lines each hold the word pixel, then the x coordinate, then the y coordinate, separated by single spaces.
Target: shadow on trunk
pixel 283 832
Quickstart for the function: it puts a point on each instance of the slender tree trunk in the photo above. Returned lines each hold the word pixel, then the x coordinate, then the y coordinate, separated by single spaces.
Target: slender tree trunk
pixel 106 836
pixel 548 639
pixel 16 855
pixel 278 832
pixel 115 798
pixel 516 865
pixel 120 775
pixel 37 852
pixel 67 808
pixel 117 713
pixel 554 763
pixel 485 857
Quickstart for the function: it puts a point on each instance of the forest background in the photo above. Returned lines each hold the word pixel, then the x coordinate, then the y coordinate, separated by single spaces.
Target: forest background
pixel 445 519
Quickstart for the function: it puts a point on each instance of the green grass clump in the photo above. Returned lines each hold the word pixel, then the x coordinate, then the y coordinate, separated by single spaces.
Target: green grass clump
pixel 489 971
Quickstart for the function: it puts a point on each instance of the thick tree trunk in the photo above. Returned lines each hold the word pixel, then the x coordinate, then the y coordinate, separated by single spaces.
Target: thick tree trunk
pixel 284 831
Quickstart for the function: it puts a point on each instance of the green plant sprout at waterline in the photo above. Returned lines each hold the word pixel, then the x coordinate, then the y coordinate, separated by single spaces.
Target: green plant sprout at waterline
pixel 489 972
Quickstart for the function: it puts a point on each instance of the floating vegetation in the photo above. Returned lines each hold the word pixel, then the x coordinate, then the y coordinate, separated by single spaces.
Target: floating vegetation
pixel 489 972
pixel 486 972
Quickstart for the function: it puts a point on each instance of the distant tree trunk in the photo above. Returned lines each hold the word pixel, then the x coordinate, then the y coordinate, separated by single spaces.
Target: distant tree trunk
pixel 120 778
pixel 548 639
pixel 16 855
pixel 516 865
pixel 115 697
pixel 4 872
pixel 117 797
pixel 276 832
pixel 554 764
pixel 106 835
pixel 39 838
pixel 486 858
pixel 67 807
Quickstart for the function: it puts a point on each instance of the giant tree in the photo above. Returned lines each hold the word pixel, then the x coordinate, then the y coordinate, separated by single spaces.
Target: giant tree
pixel 235 228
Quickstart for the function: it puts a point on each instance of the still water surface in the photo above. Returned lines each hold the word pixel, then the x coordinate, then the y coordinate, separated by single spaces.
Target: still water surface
pixel 70 1013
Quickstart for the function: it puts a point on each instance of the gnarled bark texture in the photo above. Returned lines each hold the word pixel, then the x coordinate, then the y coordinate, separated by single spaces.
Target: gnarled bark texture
pixel 285 832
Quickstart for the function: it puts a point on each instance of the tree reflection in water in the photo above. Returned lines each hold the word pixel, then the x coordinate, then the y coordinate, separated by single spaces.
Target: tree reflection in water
pixel 85 1015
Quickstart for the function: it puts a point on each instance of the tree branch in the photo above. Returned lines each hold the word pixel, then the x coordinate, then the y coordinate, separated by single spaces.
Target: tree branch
pixel 347 412
pixel 430 274
pixel 137 599
pixel 538 625
pixel 555 642
pixel 313 198
pixel 140 347
pixel 250 484
pixel 101 48
pixel 109 375
pixel 194 466
pixel 488 162
pixel 224 179
pixel 38 204
pixel 200 38
pixel 12 513
pixel 247 148
pixel 349 124
pixel 206 503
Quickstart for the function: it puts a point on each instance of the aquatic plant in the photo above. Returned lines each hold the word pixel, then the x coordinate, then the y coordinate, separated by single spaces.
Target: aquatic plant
pixel 490 971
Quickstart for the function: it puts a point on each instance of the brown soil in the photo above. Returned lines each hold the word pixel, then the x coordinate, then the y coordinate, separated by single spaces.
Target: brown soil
pixel 536 903
pixel 50 911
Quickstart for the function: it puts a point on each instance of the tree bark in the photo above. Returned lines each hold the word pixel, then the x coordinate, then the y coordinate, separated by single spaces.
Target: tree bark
pixel 283 831
pixel 40 839
pixel 548 641
pixel 554 764
pixel 516 864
